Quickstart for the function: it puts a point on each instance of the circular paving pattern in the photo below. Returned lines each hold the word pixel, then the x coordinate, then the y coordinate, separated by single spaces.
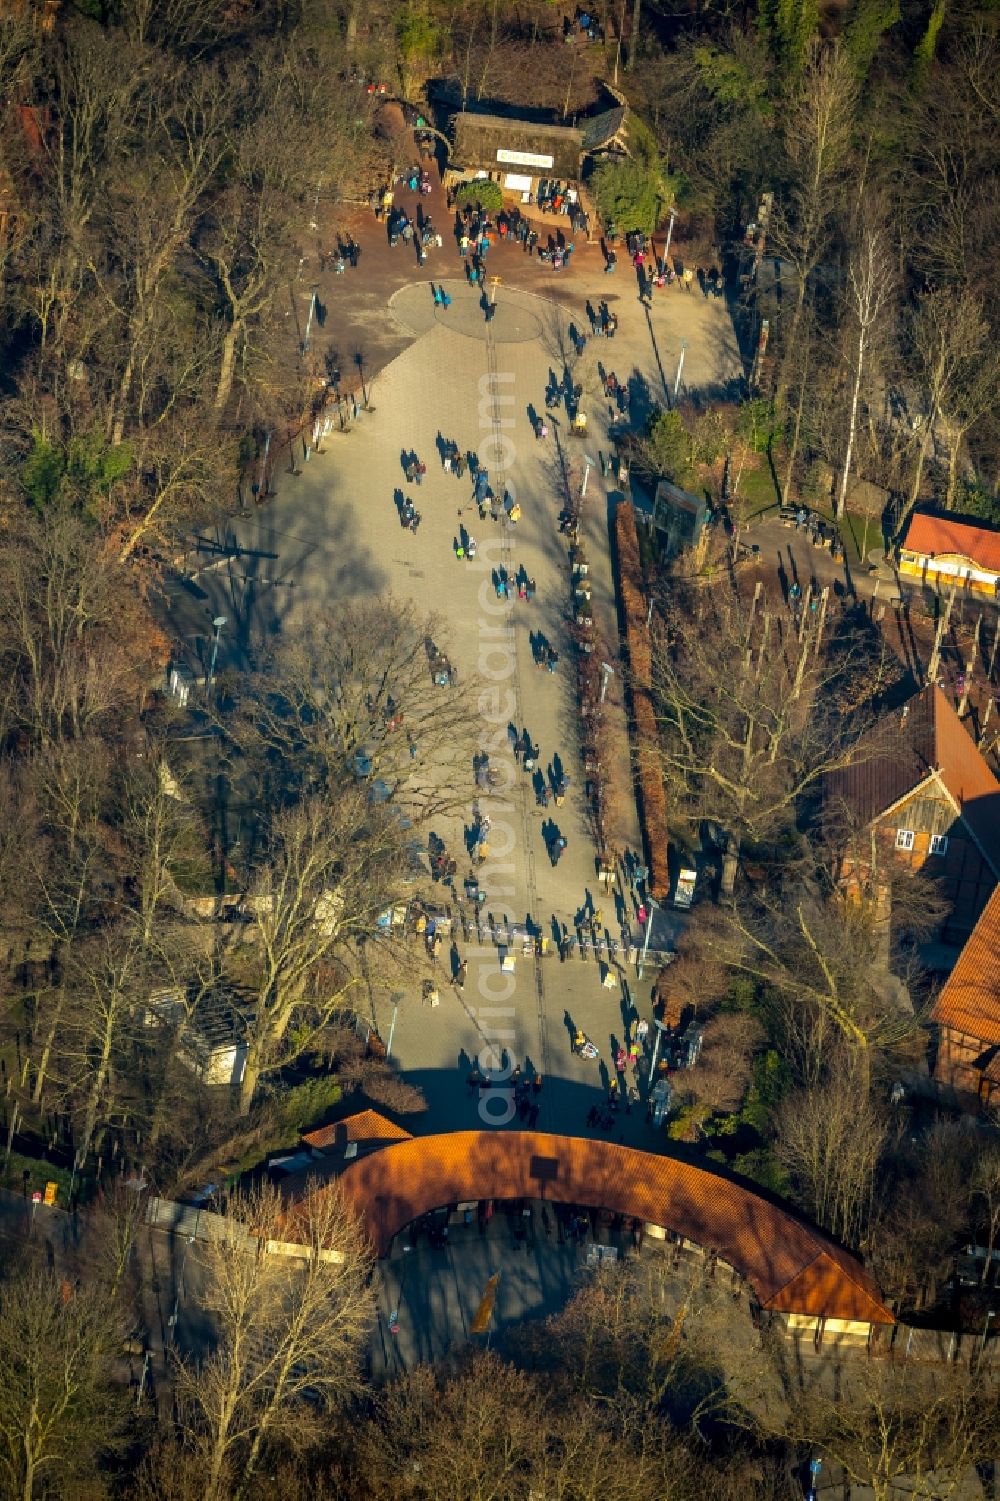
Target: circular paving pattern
pixel 515 319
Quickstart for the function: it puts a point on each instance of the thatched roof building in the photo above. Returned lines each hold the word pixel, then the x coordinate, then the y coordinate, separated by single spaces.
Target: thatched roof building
pixel 492 143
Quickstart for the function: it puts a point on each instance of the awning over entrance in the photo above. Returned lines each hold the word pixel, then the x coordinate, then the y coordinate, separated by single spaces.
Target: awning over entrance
pixel 792 1266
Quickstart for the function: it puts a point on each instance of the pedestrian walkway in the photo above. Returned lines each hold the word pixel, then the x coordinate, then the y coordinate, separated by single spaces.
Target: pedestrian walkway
pixel 333 530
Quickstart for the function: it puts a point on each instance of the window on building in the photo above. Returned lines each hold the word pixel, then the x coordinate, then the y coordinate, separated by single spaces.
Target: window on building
pixel 939 844
pixel 904 839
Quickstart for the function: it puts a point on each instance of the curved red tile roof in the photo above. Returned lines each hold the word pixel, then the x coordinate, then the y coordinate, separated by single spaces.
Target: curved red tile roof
pixel 792 1267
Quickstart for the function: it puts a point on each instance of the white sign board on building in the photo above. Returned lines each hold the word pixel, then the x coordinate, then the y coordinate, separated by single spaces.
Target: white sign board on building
pixel 516 182
pixel 523 159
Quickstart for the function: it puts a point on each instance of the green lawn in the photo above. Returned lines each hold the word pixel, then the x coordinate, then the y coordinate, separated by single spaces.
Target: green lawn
pixel 758 491
pixel 858 539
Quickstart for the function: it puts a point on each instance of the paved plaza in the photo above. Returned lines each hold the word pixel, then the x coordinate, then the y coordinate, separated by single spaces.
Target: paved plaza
pixel 332 530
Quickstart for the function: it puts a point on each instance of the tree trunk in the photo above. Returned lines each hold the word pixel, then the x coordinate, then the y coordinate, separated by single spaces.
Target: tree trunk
pixel 227 366
pixel 793 451
pixel 28 1489
pixel 43 1062
pixel 840 504
pixel 953 448
pixel 96 1090
pixel 922 452
pixel 220 1447
pixel 633 41
pixel 249 1082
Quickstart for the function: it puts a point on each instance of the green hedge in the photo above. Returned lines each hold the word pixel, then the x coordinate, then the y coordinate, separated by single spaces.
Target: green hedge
pixel 483 191
pixel 39 1173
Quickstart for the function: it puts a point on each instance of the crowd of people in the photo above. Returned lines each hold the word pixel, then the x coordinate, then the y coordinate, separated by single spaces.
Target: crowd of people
pixel 476 232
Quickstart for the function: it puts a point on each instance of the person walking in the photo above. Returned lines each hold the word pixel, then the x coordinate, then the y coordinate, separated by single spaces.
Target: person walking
pixel 460 974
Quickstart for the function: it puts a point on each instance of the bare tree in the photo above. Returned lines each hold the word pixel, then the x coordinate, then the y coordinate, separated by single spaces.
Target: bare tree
pixel 741 746
pixel 922 1208
pixel 183 470
pixel 57 1402
pixel 494 1431
pixel 823 958
pixel 830 1140
pixel 289 1329
pixel 95 1045
pixel 958 366
pixel 720 1079
pixel 333 865
pixel 153 203
pixel 871 281
pixel 68 873
pixel 891 1425
pixel 161 832
pixel 356 691
pixel 650 1328
pixel 74 642
pixel 984 1191
pixel 817 140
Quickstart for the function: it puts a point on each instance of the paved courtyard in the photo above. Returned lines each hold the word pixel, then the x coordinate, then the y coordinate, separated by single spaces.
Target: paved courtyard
pixel 333 530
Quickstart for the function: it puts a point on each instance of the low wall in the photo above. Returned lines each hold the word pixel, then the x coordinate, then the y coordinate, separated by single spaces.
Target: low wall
pixel 649 778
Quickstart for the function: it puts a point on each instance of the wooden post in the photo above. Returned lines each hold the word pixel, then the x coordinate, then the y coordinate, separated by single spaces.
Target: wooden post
pixel 748 643
pixel 821 622
pixel 942 626
pixel 765 634
pixel 993 651
pixel 805 611
pixel 970 667
pixel 800 670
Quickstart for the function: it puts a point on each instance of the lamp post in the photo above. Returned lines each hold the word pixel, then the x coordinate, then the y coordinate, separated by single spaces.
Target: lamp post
pixel 396 998
pixel 670 235
pixel 607 672
pixel 218 623
pixel 261 486
pixel 680 368
pixel 645 943
pixel 359 360
pixel 661 1027
pixel 309 320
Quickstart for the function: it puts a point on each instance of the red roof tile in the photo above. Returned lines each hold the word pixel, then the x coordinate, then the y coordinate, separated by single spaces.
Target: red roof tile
pixel 969 1001
pixel 366 1126
pixel 792 1266
pixel 937 536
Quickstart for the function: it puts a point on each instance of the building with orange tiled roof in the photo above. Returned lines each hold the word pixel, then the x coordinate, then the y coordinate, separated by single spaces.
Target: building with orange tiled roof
pixel 967 1015
pixel 929 798
pixel 948 551
pixel 367 1127
pixel 794 1269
